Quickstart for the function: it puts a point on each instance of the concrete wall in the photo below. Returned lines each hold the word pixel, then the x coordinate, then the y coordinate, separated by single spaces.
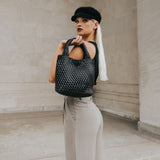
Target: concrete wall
pixel 119 95
pixel 149 59
pixel 30 32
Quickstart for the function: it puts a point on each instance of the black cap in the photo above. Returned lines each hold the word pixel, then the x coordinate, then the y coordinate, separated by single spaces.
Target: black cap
pixel 87 12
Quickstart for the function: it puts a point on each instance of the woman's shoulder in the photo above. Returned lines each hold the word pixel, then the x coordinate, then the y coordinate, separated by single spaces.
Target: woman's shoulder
pixel 91 48
pixel 77 52
pixel 92 44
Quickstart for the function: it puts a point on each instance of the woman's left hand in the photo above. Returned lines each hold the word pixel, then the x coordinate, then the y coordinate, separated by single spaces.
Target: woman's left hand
pixel 78 41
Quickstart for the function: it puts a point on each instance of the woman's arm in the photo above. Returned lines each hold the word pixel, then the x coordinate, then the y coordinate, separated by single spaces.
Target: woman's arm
pixel 78 41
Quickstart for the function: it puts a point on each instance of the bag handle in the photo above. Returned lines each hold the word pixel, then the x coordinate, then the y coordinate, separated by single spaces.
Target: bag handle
pixel 83 46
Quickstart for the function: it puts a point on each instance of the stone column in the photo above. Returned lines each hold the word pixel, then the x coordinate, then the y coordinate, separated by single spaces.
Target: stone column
pixel 149 65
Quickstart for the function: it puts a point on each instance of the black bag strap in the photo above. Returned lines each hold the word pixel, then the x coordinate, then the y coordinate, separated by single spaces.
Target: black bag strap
pixel 83 46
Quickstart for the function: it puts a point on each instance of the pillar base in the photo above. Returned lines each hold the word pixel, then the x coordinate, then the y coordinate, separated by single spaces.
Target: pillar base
pixel 149 130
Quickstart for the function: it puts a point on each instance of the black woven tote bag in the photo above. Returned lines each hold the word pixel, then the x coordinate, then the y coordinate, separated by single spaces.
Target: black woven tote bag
pixel 74 77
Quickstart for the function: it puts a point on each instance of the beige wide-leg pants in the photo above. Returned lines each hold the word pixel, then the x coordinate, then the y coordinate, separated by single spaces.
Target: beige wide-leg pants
pixel 83 129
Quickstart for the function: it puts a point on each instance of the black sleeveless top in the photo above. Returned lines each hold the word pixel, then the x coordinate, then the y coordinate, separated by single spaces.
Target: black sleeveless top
pixel 95 59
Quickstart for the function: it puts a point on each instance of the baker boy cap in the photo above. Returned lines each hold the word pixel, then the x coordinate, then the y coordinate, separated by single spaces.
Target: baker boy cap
pixel 87 12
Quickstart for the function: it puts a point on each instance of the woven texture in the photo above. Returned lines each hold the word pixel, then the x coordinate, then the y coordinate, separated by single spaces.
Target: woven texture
pixel 74 77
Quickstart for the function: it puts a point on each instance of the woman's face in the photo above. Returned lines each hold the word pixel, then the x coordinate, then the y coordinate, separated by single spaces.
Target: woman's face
pixel 85 26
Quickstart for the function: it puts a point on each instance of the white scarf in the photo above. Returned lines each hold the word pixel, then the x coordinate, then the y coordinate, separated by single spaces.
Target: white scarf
pixel 102 62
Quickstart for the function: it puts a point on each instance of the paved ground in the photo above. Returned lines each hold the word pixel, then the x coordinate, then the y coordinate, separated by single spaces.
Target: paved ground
pixel 39 136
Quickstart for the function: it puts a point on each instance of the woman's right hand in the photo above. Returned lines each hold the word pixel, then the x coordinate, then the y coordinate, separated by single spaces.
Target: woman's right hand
pixel 62 44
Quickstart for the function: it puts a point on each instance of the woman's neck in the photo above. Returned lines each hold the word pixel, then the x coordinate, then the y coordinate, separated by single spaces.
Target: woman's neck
pixel 88 38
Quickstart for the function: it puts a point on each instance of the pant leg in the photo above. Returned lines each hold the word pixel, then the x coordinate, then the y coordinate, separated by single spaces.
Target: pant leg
pixel 89 128
pixel 69 134
pixel 100 142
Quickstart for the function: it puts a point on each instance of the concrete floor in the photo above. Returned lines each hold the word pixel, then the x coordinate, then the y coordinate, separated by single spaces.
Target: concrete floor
pixel 39 136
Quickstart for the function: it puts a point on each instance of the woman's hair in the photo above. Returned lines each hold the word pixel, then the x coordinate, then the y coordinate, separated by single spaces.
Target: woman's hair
pixel 102 62
pixel 95 33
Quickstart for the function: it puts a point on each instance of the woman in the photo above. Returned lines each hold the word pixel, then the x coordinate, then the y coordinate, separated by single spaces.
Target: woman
pixel 83 122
